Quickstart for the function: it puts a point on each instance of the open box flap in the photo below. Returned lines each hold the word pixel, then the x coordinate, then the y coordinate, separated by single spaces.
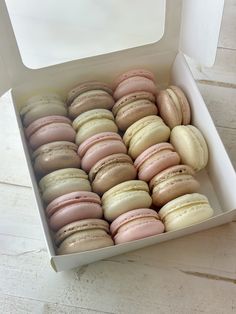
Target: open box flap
pixel 200 27
pixel 11 66
pixel 199 35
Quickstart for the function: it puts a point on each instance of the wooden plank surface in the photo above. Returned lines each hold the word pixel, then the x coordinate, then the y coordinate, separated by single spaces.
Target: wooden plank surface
pixel 194 274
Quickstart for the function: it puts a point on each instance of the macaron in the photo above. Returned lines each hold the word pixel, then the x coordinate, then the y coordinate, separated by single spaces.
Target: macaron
pixel 110 171
pixel 136 224
pixel 124 197
pixel 49 129
pixel 99 146
pixel 155 159
pixel 73 206
pixel 173 106
pixel 92 99
pixel 171 183
pixel 132 73
pixel 185 211
pixel 144 133
pixel 53 156
pixel 134 81
pixel 83 235
pixel 93 122
pixel 40 106
pixel 85 87
pixel 191 145
pixel 133 107
pixel 63 181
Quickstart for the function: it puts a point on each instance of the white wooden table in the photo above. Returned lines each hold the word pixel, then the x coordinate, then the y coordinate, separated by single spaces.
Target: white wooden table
pixel 194 274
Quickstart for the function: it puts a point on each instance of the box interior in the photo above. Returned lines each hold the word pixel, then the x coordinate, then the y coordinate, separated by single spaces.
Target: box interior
pixel 168 68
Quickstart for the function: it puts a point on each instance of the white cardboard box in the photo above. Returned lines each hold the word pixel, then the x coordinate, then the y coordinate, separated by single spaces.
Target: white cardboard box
pixel 182 27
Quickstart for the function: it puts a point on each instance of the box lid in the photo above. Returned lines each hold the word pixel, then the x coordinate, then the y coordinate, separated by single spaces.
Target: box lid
pixel 152 26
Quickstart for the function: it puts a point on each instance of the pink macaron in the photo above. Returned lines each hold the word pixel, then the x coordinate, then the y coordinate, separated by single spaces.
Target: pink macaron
pixel 155 159
pixel 134 81
pixel 99 146
pixel 131 73
pixel 72 207
pixel 136 224
pixel 49 129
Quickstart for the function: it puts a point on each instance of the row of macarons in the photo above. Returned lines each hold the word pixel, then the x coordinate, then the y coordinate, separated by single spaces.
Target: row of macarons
pixel 133 95
pixel 77 218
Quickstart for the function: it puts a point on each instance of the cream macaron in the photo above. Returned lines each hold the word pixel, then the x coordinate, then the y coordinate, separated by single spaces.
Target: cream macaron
pixel 144 133
pixel 93 122
pixel 124 197
pixel 185 211
pixel 190 144
pixel 63 181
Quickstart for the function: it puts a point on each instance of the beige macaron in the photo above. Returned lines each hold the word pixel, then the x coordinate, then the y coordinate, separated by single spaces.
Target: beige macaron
pixel 110 171
pixel 173 107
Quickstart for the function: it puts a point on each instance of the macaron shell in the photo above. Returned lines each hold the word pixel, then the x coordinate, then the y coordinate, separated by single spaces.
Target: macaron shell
pixel 190 145
pixel 63 181
pixel 152 150
pixel 101 150
pixel 80 225
pixel 186 111
pixel 36 125
pixel 139 125
pixel 168 109
pixel 130 216
pixel 127 99
pixel 185 210
pixel 132 185
pixel 85 87
pixel 86 240
pixel 158 163
pixel 70 199
pixel 90 100
pixel 88 116
pixel 111 171
pixel 134 72
pixel 93 127
pixel 133 112
pixel 44 97
pixel 51 133
pixel 172 188
pixel 43 111
pixel 139 229
pixel 65 186
pixel 124 197
pixel 54 156
pixel 97 138
pixel 133 84
pixel 149 135
pixel 74 212
pixel 112 175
